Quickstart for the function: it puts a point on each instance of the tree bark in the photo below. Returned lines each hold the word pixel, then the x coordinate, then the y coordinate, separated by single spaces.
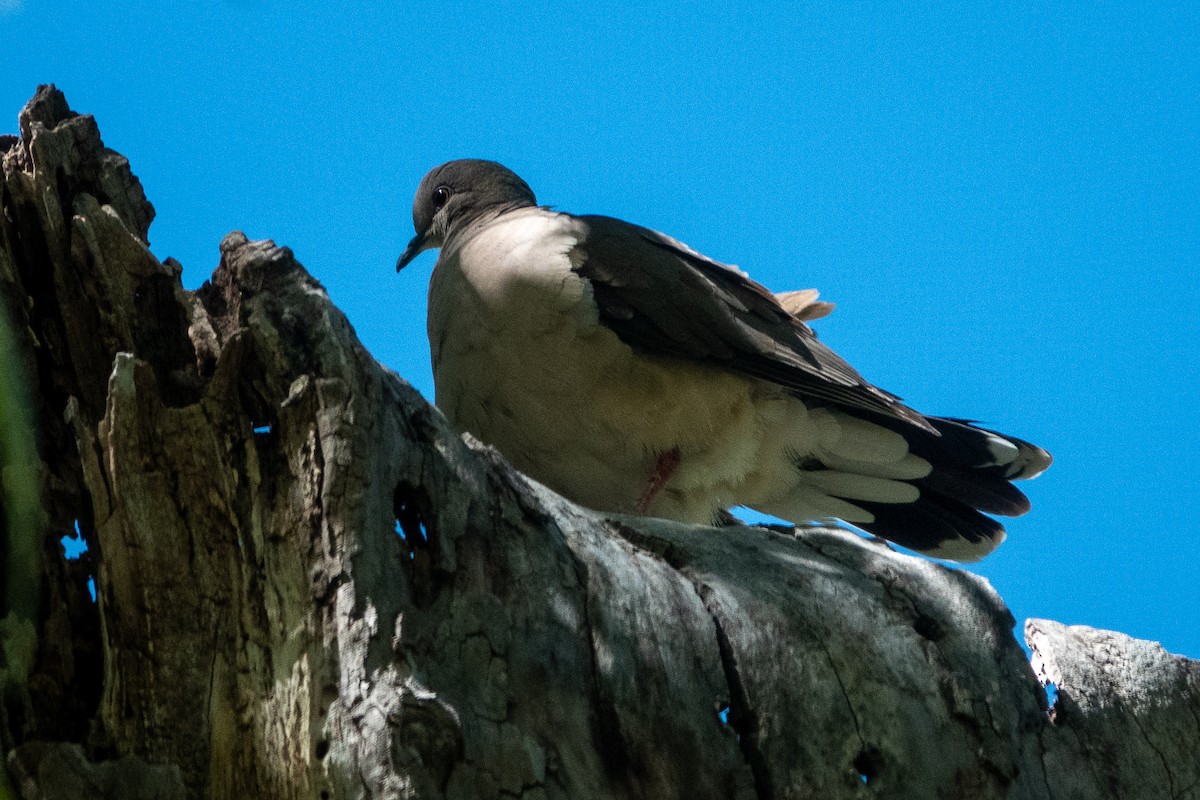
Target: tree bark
pixel 309 586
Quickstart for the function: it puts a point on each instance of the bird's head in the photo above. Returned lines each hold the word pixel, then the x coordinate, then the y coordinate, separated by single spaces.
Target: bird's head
pixel 458 193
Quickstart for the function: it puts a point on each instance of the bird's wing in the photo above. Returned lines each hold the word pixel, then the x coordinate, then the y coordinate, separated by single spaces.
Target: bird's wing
pixel 660 296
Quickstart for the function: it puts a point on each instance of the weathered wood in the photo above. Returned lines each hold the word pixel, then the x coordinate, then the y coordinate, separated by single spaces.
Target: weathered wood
pixel 310 587
pixel 1127 715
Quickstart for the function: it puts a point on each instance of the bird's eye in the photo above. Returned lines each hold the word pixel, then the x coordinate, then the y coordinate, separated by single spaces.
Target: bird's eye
pixel 440 196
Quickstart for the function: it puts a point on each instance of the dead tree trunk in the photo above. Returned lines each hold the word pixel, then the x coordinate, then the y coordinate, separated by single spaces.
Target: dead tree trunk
pixel 308 586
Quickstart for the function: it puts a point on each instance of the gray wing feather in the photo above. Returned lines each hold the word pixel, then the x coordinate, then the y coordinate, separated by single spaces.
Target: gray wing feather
pixel 660 296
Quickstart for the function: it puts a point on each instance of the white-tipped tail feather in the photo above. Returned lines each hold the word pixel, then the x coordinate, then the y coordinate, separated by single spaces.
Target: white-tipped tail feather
pixel 929 492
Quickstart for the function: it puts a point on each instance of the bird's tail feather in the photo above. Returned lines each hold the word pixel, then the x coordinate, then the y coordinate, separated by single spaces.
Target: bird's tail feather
pixel 941 509
pixel 962 442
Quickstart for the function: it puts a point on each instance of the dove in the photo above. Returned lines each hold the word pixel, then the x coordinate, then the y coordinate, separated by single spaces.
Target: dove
pixel 632 374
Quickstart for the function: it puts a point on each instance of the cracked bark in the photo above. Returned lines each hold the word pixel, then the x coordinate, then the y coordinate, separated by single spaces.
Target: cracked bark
pixel 309 587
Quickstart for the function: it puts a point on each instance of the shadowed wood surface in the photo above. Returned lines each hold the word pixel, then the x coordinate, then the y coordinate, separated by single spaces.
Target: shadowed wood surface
pixel 308 586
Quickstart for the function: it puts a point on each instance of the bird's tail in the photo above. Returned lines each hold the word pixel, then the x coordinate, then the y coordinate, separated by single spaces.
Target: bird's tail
pixel 930 492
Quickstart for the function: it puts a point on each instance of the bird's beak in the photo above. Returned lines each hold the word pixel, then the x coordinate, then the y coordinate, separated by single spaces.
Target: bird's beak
pixel 418 245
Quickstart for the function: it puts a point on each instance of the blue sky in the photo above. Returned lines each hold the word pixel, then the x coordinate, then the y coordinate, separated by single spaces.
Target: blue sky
pixel 1002 201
